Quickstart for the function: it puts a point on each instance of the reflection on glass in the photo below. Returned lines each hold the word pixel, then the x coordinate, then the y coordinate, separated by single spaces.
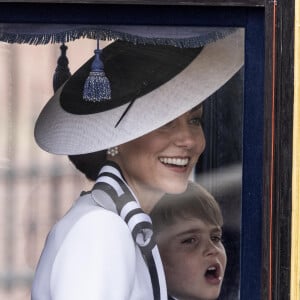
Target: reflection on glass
pixel 37 188
pixel 220 169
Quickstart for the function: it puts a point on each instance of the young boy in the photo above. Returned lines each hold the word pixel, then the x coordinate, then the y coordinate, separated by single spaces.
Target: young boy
pixel 189 236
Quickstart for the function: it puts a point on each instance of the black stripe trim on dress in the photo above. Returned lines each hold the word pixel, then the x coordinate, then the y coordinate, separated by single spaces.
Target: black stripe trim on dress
pixel 120 202
pixel 103 186
pixel 154 276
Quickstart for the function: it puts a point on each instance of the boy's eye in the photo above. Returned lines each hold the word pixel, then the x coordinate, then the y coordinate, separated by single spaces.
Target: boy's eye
pixel 216 239
pixel 189 241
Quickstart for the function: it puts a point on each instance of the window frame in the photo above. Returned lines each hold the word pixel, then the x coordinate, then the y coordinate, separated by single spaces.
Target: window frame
pixel 278 20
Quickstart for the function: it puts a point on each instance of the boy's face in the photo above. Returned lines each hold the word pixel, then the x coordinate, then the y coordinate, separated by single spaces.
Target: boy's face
pixel 194 259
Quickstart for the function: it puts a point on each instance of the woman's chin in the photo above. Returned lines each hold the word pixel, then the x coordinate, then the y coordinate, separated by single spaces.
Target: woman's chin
pixel 176 188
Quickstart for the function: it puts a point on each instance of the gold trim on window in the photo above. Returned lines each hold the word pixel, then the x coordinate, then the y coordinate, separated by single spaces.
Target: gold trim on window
pixel 295 251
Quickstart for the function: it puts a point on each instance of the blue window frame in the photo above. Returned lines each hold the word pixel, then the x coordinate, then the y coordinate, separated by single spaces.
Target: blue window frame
pixel 252 19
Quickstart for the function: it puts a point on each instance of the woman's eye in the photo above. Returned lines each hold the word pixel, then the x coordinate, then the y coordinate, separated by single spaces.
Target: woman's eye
pixel 168 125
pixel 196 121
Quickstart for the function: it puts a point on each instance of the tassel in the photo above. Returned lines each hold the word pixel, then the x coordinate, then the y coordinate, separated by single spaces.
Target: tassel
pixel 97 86
pixel 62 72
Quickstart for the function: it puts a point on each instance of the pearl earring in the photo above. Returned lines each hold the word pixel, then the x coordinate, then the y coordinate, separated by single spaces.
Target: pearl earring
pixel 113 151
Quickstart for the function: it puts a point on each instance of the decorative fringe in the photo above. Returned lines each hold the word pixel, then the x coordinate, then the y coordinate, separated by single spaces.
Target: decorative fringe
pixel 62 71
pixel 97 86
pixel 183 37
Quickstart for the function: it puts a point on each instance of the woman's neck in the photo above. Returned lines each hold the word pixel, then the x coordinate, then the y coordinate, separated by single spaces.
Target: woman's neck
pixel 146 196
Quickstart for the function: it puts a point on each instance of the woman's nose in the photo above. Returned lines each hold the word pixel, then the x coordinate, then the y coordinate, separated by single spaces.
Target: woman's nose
pixel 186 136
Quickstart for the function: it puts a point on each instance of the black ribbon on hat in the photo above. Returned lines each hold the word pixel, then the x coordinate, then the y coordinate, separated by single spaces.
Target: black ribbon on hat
pixel 132 70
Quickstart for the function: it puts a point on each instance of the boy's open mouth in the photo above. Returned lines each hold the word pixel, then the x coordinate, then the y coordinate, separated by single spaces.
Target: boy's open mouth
pixel 213 274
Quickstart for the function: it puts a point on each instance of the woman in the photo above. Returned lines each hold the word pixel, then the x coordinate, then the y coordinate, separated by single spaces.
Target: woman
pixel 138 145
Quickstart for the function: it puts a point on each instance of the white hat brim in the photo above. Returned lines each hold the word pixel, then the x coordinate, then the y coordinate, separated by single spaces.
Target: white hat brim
pixel 60 132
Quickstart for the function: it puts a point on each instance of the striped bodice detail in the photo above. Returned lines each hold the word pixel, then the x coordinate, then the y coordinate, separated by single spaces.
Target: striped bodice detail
pixel 124 203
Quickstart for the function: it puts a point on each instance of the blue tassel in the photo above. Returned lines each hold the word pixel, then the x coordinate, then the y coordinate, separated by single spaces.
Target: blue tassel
pixel 97 86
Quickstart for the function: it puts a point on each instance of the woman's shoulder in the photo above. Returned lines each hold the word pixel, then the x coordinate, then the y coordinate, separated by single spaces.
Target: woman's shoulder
pixel 95 228
pixel 98 220
pixel 87 219
pixel 97 247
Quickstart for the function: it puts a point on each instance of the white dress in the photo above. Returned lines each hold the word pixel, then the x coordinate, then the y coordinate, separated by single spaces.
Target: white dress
pixel 90 255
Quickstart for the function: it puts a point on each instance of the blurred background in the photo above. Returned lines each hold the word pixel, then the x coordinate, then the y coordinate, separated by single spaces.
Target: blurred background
pixel 36 188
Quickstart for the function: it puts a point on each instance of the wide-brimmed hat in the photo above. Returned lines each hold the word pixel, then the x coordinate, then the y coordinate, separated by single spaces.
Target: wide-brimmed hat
pixel 158 82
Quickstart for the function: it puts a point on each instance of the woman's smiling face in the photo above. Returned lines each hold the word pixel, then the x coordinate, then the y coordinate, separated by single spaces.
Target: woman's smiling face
pixel 161 161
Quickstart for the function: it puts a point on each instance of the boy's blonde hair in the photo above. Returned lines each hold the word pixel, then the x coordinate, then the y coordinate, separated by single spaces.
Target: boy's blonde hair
pixel 195 202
